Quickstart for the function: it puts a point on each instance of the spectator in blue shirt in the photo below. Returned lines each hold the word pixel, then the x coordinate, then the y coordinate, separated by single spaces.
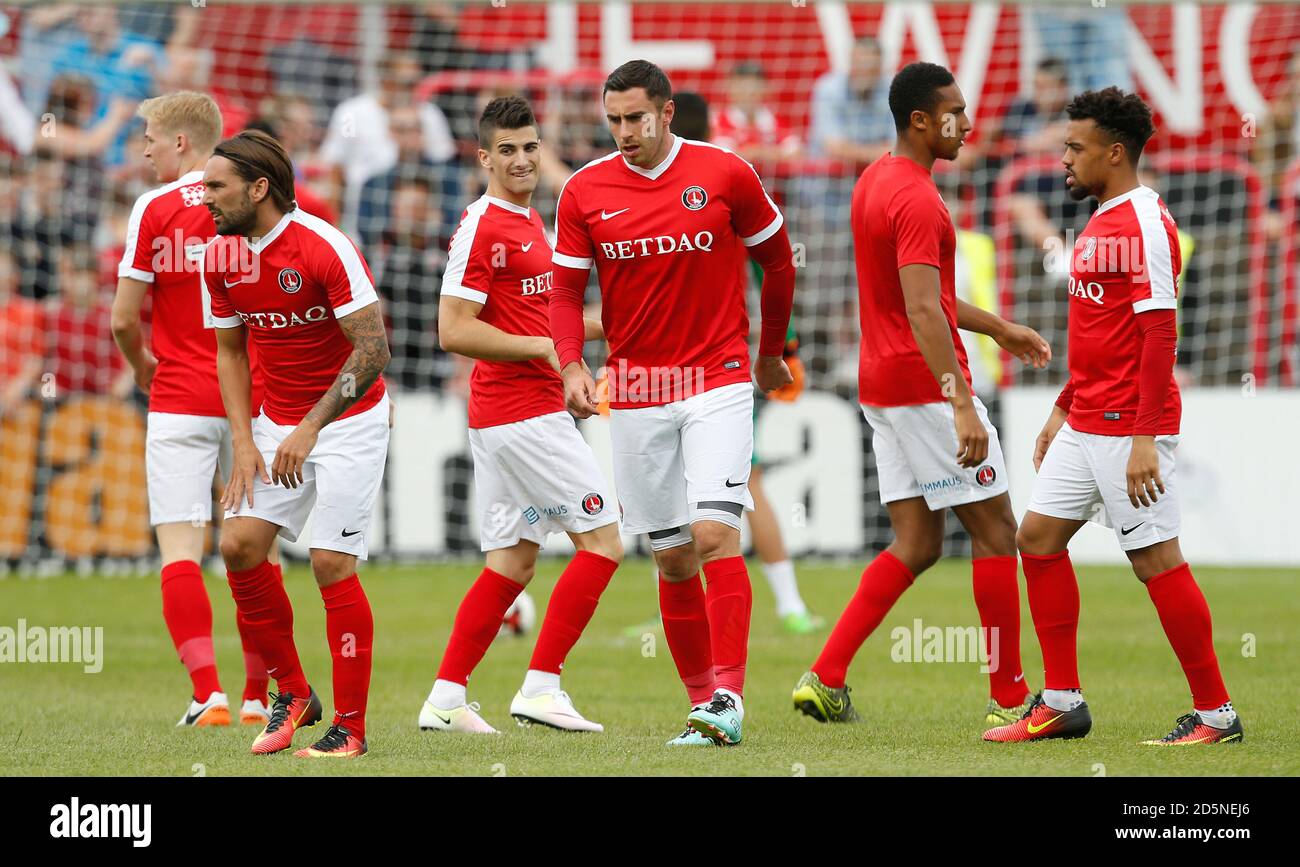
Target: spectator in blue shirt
pixel 851 120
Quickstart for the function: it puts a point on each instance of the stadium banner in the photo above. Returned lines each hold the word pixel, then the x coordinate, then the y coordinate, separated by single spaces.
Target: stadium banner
pixel 817 470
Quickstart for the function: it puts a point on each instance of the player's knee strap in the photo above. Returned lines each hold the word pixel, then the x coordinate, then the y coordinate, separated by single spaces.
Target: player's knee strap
pixel 722 511
pixel 673 537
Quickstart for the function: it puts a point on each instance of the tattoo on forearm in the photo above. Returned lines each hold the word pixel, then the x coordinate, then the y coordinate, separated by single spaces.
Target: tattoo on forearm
pixel 365 331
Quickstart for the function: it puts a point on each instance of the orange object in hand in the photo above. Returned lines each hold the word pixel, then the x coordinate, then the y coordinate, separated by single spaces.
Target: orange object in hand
pixel 790 392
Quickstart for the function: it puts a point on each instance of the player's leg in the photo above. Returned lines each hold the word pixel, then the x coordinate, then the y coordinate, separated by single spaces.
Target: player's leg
pixel 651 479
pixel 181 455
pixel 1149 536
pixel 778 568
pixel 992 530
pixel 511 530
pixel 346 468
pixel 1065 495
pixel 918 541
pixel 717 436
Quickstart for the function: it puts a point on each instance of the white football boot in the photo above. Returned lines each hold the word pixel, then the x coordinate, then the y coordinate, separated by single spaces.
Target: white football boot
pixel 459 719
pixel 554 709
pixel 254 713
pixel 213 712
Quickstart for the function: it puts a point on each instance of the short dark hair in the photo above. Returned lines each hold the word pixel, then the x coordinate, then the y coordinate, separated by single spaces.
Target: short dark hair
pixel 640 73
pixel 1123 116
pixel 916 88
pixel 504 112
pixel 255 154
pixel 691 117
pixel 1053 66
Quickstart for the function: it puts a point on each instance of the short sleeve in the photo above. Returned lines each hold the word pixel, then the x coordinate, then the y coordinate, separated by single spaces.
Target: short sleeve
pixel 919 221
pixel 1155 284
pixel 345 276
pixel 754 215
pixel 213 279
pixel 469 268
pixel 137 257
pixel 572 239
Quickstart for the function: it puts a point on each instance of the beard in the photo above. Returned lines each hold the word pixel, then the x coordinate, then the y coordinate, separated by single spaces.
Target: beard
pixel 240 221
pixel 1079 192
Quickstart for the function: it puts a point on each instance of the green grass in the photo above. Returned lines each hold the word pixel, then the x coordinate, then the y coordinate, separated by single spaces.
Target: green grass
pixel 922 718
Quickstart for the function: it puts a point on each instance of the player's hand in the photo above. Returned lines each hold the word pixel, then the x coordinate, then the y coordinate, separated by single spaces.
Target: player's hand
pixel 1026 344
pixel 144 373
pixel 771 372
pixel 790 393
pixel 286 469
pixel 248 464
pixel 1047 434
pixel 579 390
pixel 1144 472
pixel 972 437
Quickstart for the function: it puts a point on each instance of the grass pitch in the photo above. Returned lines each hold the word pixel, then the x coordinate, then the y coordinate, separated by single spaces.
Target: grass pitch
pixel 922 718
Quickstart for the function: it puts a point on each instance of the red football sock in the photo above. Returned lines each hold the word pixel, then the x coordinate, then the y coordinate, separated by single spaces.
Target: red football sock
pixel 573 602
pixel 350 630
pixel 263 604
pixel 997 596
pixel 730 599
pixel 1053 593
pixel 188 613
pixel 883 581
pixel 477 621
pixel 255 679
pixel 1185 615
pixel 686 629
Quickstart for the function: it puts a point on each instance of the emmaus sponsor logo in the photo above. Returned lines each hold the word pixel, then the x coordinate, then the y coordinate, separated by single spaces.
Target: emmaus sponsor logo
pixel 83 644
pixel 130 821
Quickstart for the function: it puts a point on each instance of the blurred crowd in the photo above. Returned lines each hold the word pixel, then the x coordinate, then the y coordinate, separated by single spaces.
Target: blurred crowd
pixel 386 150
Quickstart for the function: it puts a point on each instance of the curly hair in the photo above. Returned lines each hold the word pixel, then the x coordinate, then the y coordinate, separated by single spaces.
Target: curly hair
pixel 916 88
pixel 1122 116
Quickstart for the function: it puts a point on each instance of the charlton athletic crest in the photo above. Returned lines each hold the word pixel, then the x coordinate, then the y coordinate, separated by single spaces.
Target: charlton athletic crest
pixel 593 503
pixel 694 198
pixel 985 476
pixel 290 280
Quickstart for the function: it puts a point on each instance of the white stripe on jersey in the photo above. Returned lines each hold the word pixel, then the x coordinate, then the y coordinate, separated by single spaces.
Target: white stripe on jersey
pixel 771 228
pixel 458 254
pixel 126 268
pixel 1159 259
pixel 359 285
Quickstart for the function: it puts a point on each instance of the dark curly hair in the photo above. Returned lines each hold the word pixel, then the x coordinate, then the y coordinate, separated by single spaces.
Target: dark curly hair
pixel 916 88
pixel 504 112
pixel 1122 116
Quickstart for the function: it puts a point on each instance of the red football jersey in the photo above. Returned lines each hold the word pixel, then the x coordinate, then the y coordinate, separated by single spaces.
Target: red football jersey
pixel 287 289
pixel 898 218
pixel 165 239
pixel 668 244
pixel 86 359
pixel 732 129
pixel 500 258
pixel 1127 261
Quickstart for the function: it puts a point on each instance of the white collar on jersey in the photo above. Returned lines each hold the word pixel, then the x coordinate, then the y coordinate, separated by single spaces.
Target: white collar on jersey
pixel 190 178
pixel 260 244
pixel 509 206
pixel 1139 190
pixel 654 173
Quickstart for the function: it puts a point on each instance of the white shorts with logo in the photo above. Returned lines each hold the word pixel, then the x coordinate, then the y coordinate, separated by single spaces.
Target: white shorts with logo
pixel 1084 477
pixel 916 456
pixel 536 477
pixel 183 454
pixel 685 461
pixel 340 479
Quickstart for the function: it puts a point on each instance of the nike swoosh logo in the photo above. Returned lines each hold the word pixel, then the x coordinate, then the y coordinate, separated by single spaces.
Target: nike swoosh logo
pixel 191 717
pixel 606 215
pixel 1124 532
pixel 445 719
pixel 346 533
pixel 835 706
pixel 1017 678
pixel 230 285
pixel 528 246
pixel 730 484
pixel 1033 729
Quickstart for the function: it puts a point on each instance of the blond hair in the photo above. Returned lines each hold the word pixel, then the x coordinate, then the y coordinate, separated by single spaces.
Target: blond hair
pixel 194 114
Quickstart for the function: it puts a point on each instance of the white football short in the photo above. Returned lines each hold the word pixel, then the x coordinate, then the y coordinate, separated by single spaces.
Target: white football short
pixel 1084 477
pixel 684 461
pixel 340 479
pixel 536 477
pixel 183 454
pixel 916 456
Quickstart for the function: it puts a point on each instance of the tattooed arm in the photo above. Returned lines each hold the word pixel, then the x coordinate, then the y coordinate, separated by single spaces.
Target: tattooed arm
pixel 364 329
